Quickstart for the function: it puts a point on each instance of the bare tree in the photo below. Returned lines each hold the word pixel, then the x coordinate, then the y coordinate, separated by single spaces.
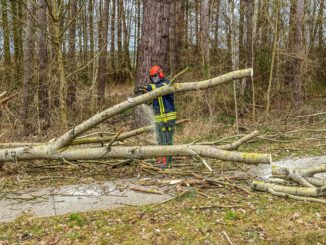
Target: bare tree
pixel 6 43
pixel 28 89
pixel 71 90
pixel 103 64
pixel 204 34
pixel 112 49
pixel 297 50
pixel 17 39
pixel 43 92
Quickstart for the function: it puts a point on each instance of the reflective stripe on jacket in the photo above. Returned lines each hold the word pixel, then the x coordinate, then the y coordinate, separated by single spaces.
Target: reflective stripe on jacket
pixel 163 106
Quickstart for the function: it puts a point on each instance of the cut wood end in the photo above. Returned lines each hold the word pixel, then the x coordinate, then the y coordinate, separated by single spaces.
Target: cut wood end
pixel 252 72
pixel 270 159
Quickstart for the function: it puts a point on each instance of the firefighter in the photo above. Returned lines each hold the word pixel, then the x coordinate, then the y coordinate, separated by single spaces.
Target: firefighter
pixel 164 113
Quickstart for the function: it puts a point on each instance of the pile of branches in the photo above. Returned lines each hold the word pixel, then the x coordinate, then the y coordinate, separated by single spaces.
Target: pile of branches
pixel 66 146
pixel 298 184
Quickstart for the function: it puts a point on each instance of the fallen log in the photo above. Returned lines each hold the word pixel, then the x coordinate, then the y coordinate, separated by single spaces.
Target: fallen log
pixel 59 148
pixel 301 184
pixel 138 152
pixel 68 137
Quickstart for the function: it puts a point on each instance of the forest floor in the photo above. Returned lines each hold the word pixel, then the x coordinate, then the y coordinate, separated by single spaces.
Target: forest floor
pixel 197 214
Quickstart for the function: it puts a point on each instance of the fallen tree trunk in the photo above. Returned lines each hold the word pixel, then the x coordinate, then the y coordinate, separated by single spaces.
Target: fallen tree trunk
pixel 138 152
pixel 59 148
pixel 68 137
pixel 301 184
pixel 97 139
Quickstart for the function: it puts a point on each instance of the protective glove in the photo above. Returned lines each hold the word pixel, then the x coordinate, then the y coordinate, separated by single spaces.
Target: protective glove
pixel 141 90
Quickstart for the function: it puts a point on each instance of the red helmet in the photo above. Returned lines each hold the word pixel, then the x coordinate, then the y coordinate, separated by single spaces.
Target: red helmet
pixel 156 70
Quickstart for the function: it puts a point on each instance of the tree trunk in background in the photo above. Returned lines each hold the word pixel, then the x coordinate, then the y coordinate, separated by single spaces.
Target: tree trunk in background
pixel 242 50
pixel 177 34
pixel 216 27
pixel 56 14
pixel 71 91
pixel 85 30
pixel 204 36
pixel 18 48
pixel 246 54
pixel 197 11
pixel 120 63
pixel 126 57
pixel 173 38
pixel 298 51
pixel 6 41
pixel 112 49
pixel 43 92
pixel 28 88
pixel 275 45
pixel 91 36
pixel 153 45
pixel 229 38
pixel 103 65
pixel 321 23
pixel 242 59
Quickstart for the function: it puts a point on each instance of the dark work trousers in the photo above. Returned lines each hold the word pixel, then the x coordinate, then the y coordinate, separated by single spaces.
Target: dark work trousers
pixel 164 135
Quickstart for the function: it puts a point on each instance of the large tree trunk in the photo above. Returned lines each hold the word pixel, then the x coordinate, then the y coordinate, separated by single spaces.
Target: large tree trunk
pixel 216 27
pixel 112 49
pixel 153 46
pixel 176 33
pixel 138 152
pixel 43 92
pixel 28 89
pixel 204 35
pixel 6 42
pixel 18 42
pixel 71 91
pixel 56 15
pixel 127 74
pixel 103 65
pixel 298 51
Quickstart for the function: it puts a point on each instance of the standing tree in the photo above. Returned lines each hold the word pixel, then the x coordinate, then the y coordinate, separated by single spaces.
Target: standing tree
pixel 16 10
pixel 297 51
pixel 153 44
pixel 43 92
pixel 72 56
pixel 6 42
pixel 204 35
pixel 28 90
pixel 103 66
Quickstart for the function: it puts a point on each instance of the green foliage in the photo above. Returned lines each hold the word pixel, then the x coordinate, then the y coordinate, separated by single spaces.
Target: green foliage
pixel 231 215
pixel 76 218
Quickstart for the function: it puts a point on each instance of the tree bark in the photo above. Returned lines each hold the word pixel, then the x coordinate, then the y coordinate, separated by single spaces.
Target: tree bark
pixel 56 15
pixel 18 46
pixel 43 90
pixel 28 89
pixel 153 46
pixel 103 65
pixel 6 41
pixel 204 35
pixel 297 49
pixel 71 90
pixel 139 152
